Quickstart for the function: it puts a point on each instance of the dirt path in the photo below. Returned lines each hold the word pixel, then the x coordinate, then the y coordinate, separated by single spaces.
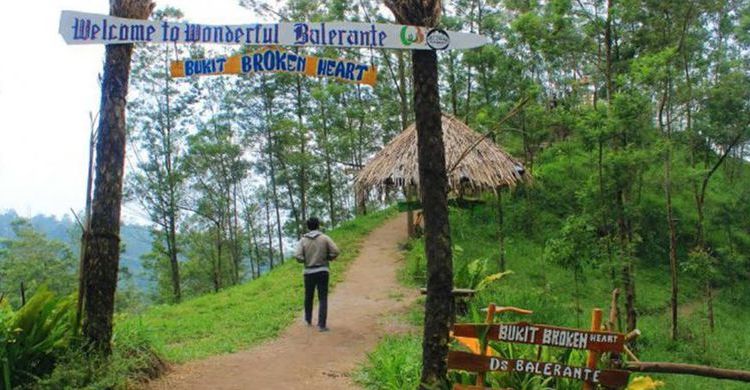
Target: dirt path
pixel 361 309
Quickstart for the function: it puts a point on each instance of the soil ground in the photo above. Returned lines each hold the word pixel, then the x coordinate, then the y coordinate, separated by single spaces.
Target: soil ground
pixel 362 308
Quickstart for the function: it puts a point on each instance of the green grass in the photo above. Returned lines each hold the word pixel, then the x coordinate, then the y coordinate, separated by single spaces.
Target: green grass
pixel 244 315
pixel 398 362
pixel 133 361
pixel 548 290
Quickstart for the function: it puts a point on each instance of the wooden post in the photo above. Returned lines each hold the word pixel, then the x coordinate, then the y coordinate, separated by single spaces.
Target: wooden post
pixel 23 295
pixel 689 369
pixel 86 225
pixel 596 325
pixel 484 343
pixel 409 212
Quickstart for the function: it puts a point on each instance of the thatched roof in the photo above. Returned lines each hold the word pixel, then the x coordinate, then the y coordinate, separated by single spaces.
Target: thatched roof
pixel 474 162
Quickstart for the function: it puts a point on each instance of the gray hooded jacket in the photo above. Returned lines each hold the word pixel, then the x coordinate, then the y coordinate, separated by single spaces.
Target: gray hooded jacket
pixel 315 250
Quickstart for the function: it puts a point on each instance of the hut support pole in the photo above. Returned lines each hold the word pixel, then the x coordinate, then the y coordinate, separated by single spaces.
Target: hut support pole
pixel 410 212
pixel 500 232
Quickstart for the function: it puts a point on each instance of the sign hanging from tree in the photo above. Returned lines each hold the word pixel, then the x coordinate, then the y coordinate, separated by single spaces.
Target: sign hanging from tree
pixel 277 60
pixel 86 28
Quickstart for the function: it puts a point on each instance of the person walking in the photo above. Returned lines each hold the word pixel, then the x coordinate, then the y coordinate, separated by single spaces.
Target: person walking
pixel 315 250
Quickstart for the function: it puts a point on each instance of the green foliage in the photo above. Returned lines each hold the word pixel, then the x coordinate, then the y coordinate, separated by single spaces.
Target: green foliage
pixel 575 246
pixel 32 338
pixel 473 275
pixel 30 258
pixel 414 273
pixel 394 365
pixel 537 286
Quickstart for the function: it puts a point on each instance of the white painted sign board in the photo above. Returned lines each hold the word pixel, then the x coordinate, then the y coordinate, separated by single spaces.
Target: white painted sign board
pixel 86 28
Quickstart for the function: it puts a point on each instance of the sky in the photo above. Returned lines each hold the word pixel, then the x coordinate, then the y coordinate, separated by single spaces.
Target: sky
pixel 48 90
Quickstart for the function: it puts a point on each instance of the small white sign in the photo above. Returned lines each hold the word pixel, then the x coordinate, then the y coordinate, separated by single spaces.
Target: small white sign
pixel 85 28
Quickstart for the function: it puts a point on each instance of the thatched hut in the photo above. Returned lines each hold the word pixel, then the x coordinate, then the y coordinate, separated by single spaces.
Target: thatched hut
pixel 474 163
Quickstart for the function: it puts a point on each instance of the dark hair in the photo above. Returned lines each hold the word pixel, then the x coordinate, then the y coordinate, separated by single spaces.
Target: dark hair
pixel 313 223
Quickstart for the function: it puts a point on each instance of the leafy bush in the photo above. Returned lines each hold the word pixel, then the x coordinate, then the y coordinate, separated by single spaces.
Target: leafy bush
pixel 32 337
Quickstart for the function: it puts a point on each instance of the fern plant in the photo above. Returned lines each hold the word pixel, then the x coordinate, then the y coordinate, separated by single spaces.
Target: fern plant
pixel 32 337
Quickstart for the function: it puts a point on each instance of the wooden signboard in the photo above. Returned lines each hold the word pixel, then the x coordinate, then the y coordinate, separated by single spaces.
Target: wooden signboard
pixel 86 28
pixel 277 60
pixel 552 336
pixel 477 363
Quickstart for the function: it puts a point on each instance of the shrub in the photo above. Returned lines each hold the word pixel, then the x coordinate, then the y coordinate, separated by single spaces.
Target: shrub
pixel 33 337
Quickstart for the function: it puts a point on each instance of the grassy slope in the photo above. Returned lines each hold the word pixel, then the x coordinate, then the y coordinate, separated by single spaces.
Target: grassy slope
pixel 548 290
pixel 243 315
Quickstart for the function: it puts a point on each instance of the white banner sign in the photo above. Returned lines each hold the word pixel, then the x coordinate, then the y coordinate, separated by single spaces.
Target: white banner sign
pixel 85 28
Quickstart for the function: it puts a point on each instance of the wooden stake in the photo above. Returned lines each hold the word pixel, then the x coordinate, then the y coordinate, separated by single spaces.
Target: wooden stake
pixel 632 335
pixel 689 369
pixel 596 325
pixel 484 343
pixel 613 311
pixel 630 354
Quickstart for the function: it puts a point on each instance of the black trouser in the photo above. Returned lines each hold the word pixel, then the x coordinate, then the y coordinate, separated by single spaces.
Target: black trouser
pixel 317 280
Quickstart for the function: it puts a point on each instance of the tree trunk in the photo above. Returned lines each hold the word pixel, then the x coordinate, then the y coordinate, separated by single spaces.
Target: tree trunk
pixel 500 233
pixel 171 185
pixel 608 53
pixel 290 194
pixel 217 263
pixel 327 158
pixel 434 187
pixel 361 202
pixel 604 214
pixel 302 151
pixel 173 262
pixel 628 280
pixel 666 128
pixel 236 233
pixel 250 241
pixel 103 248
pixel 452 82
pixel 432 176
pixel 268 104
pixel 252 247
pixel 404 124
pixel 268 232
pixel 467 117
pixel 672 235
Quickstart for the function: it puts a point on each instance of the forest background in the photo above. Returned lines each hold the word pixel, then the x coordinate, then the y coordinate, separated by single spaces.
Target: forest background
pixel 635 132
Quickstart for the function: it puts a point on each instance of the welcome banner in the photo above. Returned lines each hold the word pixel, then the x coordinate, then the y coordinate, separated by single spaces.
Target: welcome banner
pixel 86 28
pixel 276 60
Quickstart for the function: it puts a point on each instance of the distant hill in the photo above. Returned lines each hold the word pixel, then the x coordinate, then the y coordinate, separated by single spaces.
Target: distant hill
pixel 136 238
